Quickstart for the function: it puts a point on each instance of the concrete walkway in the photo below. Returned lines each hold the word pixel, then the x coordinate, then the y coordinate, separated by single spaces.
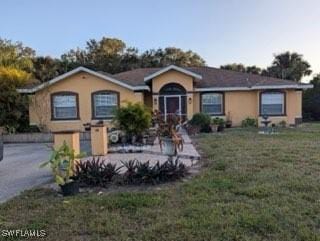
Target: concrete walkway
pixel 189 155
pixel 19 169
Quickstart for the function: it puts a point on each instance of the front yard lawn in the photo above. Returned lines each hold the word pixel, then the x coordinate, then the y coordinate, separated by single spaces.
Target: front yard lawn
pixel 251 187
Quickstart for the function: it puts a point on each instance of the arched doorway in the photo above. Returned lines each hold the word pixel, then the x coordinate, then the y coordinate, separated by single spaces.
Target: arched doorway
pixel 173 101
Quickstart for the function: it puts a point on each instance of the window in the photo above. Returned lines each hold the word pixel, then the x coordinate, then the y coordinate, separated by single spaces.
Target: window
pixel 272 103
pixel 64 106
pixel 212 103
pixel 104 104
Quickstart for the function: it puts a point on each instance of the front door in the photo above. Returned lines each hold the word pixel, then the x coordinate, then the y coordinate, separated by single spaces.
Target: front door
pixel 172 105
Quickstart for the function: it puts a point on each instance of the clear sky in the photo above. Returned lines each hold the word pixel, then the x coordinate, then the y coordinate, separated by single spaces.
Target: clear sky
pixel 221 31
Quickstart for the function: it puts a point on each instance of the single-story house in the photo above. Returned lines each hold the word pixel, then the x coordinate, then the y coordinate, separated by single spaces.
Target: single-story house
pixel 86 96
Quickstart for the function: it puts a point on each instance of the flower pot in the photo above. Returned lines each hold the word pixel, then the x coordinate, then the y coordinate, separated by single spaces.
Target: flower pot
pixel 168 147
pixel 220 128
pixel 214 127
pixel 70 188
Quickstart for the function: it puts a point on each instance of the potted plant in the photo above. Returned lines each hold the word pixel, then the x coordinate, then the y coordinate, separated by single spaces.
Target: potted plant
pixel 228 121
pixel 61 162
pixel 219 123
pixel 133 120
pixel 170 141
pixel 202 121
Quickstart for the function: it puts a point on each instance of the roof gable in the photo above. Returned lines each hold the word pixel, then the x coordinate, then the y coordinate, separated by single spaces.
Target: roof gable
pixel 78 70
pixel 173 67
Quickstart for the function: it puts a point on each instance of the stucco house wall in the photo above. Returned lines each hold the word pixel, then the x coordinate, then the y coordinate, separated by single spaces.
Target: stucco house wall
pixel 238 103
pixel 84 84
pixel 176 77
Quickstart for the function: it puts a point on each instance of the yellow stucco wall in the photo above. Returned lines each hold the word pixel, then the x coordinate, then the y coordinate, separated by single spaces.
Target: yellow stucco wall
pixel 238 104
pixel 172 76
pixel 242 104
pixel 83 84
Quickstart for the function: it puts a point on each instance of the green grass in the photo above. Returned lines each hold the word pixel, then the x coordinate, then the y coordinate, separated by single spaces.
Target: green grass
pixel 251 187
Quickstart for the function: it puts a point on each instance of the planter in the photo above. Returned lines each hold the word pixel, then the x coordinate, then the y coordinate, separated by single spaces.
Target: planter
pixel 69 189
pixel 168 147
pixel 228 124
pixel 220 128
pixel 214 127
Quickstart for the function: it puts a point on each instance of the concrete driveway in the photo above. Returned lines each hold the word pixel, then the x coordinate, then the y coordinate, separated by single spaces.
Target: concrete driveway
pixel 19 169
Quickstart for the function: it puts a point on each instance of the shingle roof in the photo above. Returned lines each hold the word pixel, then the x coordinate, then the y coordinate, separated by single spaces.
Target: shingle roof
pixel 211 78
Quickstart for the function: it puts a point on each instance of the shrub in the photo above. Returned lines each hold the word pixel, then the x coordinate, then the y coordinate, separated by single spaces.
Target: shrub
pixel 218 121
pixel 202 121
pixel 249 122
pixel 133 119
pixel 283 123
pixel 95 172
pixel 143 173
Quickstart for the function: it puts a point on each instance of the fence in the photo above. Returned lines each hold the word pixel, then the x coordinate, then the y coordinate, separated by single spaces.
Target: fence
pixel 37 137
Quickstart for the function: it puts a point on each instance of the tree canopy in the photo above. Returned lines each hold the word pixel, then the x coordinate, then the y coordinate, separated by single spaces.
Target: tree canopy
pixel 16 68
pixel 286 65
pixel 311 100
pixel 112 55
pixel 241 68
pixel 290 66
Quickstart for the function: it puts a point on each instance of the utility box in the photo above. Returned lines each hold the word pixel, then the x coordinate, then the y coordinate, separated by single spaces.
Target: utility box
pixel 72 139
pixel 99 140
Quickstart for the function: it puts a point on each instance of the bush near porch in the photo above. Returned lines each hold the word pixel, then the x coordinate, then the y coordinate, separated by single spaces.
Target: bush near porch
pixel 251 187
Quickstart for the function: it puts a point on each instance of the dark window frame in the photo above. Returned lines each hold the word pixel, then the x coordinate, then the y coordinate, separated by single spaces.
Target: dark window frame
pixel 223 102
pixel 93 114
pixel 64 93
pixel 273 92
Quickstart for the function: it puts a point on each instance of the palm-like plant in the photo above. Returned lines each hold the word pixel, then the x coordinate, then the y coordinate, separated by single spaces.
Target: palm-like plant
pixel 61 162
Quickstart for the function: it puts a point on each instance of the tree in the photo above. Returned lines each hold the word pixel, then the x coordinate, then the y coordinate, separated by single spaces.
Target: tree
pixel 253 69
pixel 179 57
pixel 46 68
pixel 242 68
pixel 311 100
pixel 16 55
pixel 113 56
pixel 234 67
pixel 15 68
pixel 13 106
pixel 290 66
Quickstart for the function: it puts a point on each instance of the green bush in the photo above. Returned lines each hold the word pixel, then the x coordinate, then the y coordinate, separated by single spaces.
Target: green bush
pixel 218 121
pixel 202 121
pixel 133 119
pixel 249 122
pixel 144 173
pixel 96 173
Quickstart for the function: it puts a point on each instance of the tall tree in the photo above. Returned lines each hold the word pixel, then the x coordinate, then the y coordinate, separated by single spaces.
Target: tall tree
pixel 16 55
pixel 46 68
pixel 15 68
pixel 311 100
pixel 289 66
pixel 112 55
pixel 234 67
pixel 242 68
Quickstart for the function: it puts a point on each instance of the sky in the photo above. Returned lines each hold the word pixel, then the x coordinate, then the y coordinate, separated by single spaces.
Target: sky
pixel 221 31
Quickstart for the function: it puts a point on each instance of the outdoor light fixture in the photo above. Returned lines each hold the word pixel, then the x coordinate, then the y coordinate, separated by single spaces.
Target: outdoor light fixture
pixel 190 100
pixel 155 101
